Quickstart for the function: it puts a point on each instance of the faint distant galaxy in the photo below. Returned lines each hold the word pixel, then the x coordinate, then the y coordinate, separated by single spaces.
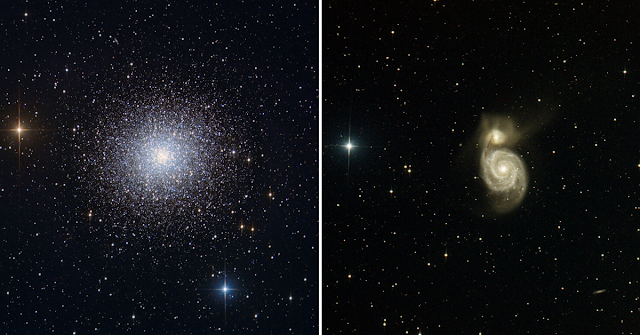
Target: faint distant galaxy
pixel 162 158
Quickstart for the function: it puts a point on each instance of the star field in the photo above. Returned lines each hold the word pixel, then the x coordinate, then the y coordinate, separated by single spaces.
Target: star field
pixel 414 240
pixel 165 178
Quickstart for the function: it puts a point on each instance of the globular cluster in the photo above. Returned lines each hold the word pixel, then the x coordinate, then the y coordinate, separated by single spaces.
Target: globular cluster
pixel 165 177
pixel 158 161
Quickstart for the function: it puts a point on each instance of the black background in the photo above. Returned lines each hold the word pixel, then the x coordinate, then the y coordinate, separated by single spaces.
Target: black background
pixel 62 271
pixel 408 82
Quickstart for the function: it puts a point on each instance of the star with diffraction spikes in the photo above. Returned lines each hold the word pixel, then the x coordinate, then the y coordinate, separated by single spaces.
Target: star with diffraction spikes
pixel 226 289
pixel 20 131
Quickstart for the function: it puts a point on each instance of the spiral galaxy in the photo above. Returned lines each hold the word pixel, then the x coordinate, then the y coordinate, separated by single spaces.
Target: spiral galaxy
pixel 503 171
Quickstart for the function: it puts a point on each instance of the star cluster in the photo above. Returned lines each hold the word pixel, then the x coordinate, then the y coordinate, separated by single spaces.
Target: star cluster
pixel 168 149
pixel 157 158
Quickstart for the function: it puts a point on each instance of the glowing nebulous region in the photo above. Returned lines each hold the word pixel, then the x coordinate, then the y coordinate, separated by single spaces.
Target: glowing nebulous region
pixel 503 171
pixel 497 137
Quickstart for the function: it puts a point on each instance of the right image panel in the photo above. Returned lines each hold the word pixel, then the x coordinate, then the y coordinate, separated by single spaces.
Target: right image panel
pixel 480 168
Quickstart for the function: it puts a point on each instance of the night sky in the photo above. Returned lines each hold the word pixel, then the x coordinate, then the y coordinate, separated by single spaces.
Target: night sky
pixel 442 102
pixel 159 167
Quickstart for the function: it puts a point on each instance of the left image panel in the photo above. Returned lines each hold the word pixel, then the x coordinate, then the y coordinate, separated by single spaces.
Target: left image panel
pixel 159 167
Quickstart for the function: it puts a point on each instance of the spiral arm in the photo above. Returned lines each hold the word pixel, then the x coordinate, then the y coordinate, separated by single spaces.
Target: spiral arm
pixel 503 172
